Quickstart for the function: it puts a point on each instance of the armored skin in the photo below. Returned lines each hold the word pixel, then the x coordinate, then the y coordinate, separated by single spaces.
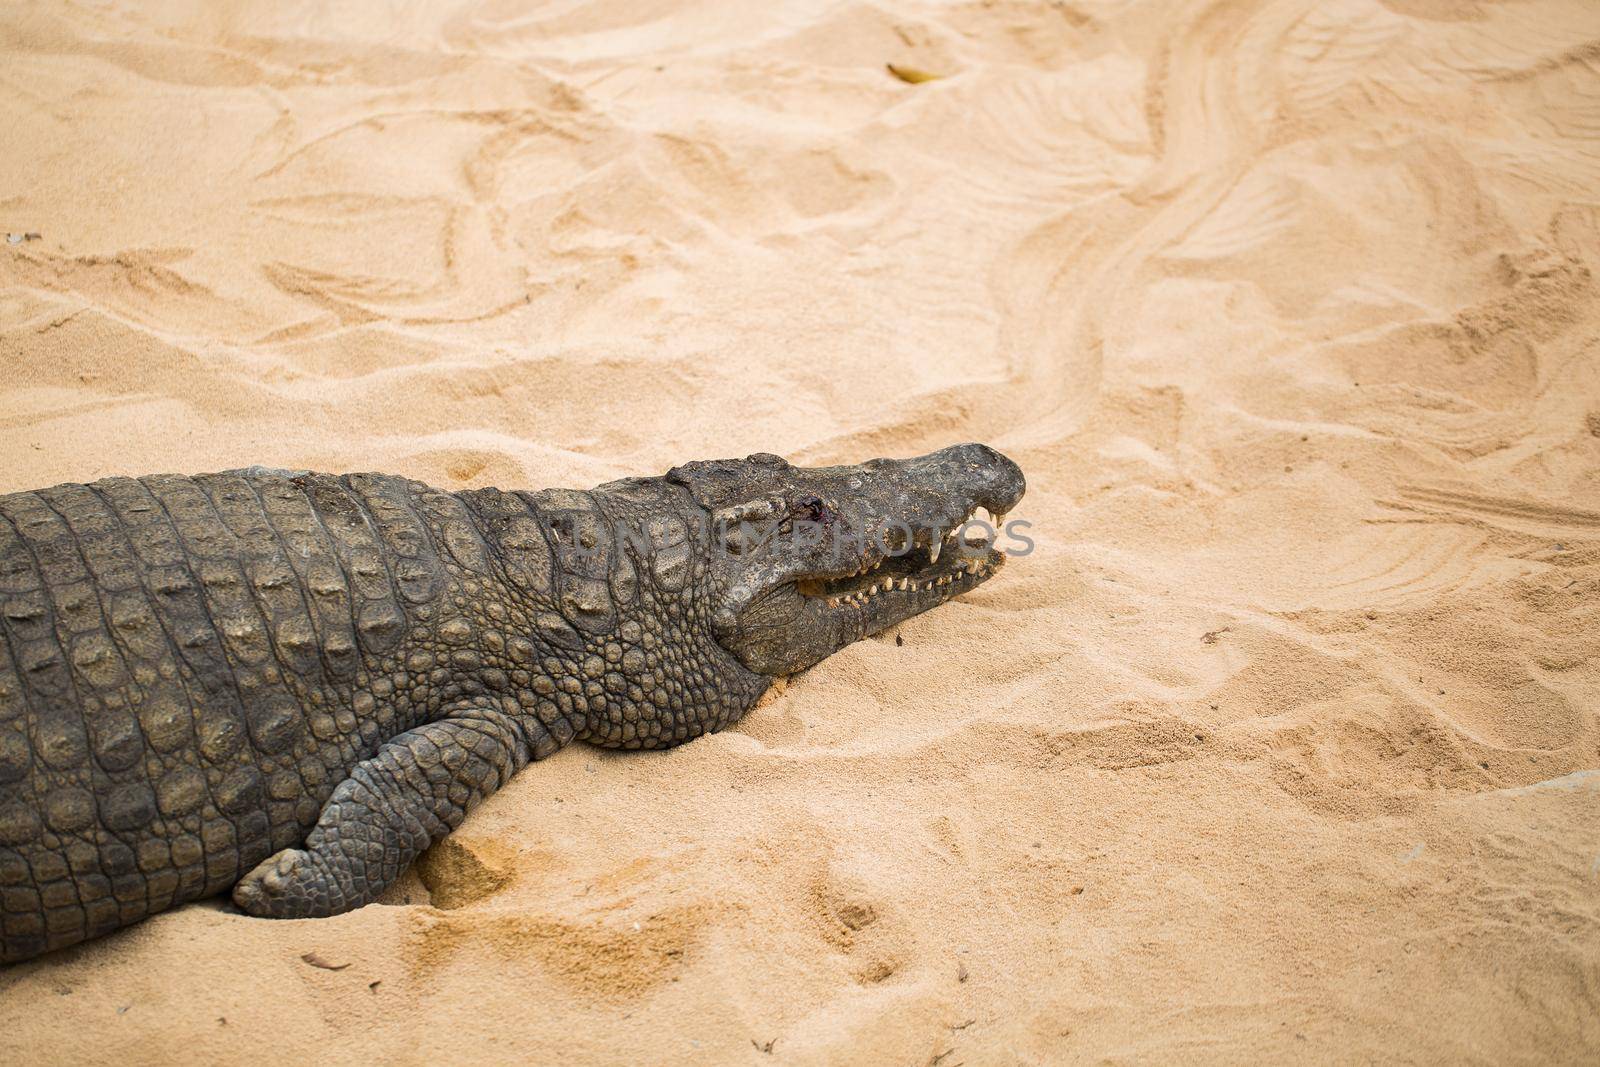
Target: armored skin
pixel 290 684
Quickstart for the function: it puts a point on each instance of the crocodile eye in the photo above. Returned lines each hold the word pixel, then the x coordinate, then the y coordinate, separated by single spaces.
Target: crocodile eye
pixel 813 509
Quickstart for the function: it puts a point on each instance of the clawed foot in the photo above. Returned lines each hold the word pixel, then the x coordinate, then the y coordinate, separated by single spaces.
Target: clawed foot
pixel 289 885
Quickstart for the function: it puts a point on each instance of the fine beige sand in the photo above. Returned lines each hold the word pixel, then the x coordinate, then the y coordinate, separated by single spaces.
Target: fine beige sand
pixel 1284 742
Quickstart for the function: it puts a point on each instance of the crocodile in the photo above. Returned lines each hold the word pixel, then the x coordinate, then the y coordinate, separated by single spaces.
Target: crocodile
pixel 289 684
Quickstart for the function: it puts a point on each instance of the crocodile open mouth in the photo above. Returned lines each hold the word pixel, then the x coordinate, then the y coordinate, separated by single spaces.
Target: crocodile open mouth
pixel 930 569
pixel 861 548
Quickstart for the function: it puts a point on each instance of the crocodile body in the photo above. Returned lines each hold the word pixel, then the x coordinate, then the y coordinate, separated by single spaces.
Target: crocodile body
pixel 289 684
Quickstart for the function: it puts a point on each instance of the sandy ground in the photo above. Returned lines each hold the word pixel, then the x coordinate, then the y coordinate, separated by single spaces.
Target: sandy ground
pixel 1282 743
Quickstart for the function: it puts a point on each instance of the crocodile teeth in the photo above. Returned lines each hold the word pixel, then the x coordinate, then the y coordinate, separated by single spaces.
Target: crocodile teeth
pixel 933 551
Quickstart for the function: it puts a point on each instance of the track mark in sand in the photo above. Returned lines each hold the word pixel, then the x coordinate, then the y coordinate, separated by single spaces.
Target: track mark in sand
pixel 54 407
pixel 440 266
pixel 445 219
pixel 846 916
pixel 139 284
pixel 1140 738
pixel 355 209
pixel 1256 210
pixel 1334 46
pixel 609 956
pixel 1518 41
pixel 746 192
pixel 1048 140
pixel 1354 54
pixel 1360 757
pixel 1400 564
pixel 358 299
pixel 526 119
pixel 1528 517
pixel 1576 782
pixel 459 873
pixel 1072 278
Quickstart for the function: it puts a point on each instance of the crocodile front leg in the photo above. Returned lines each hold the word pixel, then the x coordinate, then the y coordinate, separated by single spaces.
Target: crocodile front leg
pixel 413 791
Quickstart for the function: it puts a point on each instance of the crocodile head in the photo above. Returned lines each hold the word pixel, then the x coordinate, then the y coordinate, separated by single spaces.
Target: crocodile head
pixel 806 560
